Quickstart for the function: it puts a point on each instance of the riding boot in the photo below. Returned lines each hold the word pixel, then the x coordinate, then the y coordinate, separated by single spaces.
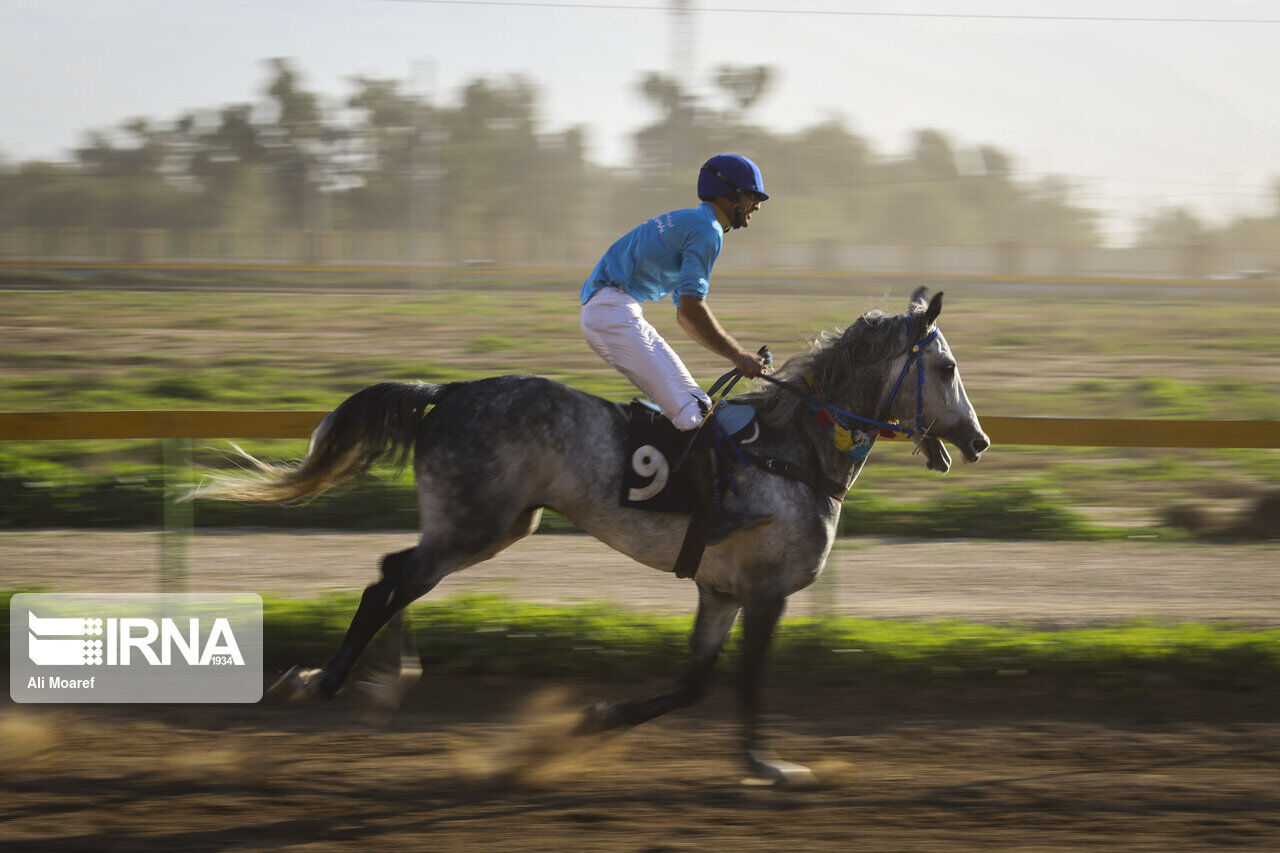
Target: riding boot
pixel 722 522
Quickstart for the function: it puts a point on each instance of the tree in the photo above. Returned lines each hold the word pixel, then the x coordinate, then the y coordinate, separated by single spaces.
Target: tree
pixel 390 152
pixel 1048 216
pixel 932 158
pixel 490 158
pixel 483 167
pixel 299 148
pixel 138 176
pixel 994 199
pixel 744 84
pixel 1172 228
pixel 678 137
pixel 226 153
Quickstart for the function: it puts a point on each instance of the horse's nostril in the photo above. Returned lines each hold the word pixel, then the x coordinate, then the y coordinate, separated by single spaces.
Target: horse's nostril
pixel 980 444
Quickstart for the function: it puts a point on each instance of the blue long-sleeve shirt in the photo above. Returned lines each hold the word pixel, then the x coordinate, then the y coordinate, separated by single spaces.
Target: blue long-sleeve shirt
pixel 672 253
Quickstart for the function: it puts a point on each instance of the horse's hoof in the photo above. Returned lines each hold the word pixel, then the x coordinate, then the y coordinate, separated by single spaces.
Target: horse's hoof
pixel 299 684
pixel 772 771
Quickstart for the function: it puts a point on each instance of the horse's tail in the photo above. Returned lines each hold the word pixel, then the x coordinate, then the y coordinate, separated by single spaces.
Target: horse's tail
pixel 379 423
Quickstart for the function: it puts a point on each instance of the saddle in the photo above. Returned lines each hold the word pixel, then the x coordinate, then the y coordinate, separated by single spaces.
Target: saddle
pixel 654 477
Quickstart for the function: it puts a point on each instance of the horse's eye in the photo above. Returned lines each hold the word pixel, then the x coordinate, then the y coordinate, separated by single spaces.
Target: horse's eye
pixel 948 368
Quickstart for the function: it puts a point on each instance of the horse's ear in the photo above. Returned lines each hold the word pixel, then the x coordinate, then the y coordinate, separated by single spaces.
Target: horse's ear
pixel 920 298
pixel 934 309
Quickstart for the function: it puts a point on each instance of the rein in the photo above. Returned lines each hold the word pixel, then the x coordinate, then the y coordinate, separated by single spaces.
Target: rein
pixel 841 432
pixel 880 427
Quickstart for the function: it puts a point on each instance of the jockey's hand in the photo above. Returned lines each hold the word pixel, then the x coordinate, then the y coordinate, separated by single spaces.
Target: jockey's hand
pixel 749 364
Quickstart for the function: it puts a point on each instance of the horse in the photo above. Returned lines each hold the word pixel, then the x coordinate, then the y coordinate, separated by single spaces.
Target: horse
pixel 490 454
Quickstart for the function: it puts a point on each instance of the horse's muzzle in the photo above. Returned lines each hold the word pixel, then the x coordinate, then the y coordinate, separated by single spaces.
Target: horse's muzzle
pixel 971 443
pixel 974 447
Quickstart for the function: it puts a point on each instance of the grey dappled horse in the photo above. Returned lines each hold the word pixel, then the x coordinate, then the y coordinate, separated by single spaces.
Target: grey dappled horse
pixel 493 452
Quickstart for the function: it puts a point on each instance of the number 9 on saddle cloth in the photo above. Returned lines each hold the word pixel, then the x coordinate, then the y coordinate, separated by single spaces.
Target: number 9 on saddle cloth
pixel 653 476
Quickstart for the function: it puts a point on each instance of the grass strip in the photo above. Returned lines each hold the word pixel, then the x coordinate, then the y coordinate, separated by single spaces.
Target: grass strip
pixel 39 496
pixel 495 635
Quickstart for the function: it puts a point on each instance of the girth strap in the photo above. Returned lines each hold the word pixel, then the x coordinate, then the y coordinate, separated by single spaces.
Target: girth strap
pixel 812 479
pixel 695 542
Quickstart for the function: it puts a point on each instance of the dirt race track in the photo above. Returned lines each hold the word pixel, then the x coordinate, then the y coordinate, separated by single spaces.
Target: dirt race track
pixel 463 769
pixel 484 764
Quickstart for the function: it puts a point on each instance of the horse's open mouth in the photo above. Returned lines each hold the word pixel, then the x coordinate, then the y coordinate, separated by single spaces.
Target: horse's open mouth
pixel 936 456
pixel 938 459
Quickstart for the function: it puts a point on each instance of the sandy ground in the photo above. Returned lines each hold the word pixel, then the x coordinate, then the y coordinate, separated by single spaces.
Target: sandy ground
pixel 485 764
pixel 1051 582
pixel 473 766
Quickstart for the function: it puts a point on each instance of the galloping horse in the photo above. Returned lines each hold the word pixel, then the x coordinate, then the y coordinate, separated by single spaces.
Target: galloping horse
pixel 493 452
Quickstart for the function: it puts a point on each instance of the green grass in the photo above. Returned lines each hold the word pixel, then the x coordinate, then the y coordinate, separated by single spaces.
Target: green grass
pixel 40 493
pixel 493 635
pixel 1001 511
pixel 492 343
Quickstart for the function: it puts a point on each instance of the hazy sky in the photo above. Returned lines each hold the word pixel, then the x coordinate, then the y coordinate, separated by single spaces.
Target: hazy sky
pixel 1142 112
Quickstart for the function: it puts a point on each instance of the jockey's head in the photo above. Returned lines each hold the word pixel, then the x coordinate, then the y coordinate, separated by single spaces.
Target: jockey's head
pixel 733 184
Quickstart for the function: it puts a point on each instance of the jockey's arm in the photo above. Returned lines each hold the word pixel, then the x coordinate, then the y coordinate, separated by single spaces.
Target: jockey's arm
pixel 695 317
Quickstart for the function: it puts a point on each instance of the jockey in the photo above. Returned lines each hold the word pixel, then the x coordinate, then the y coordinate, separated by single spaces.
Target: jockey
pixel 674 253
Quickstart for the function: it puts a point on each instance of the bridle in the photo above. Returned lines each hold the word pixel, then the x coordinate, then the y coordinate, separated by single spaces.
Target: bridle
pixel 842 435
pixel 916 356
pixel 814 399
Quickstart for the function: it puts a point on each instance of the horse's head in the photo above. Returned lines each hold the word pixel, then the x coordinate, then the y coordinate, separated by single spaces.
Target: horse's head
pixel 883 367
pixel 929 389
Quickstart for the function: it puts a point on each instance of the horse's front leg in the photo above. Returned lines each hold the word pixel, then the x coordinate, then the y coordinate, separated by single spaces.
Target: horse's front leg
pixel 716 615
pixel 759 619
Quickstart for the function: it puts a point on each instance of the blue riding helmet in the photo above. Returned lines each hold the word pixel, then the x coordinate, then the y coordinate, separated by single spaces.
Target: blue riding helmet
pixel 726 174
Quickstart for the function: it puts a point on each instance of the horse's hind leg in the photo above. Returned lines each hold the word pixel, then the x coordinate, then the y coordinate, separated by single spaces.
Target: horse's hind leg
pixel 401 583
pixel 380 602
pixel 406 576
pixel 716 614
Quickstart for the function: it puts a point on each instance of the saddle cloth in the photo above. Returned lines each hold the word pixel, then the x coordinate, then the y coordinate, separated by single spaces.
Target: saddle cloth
pixel 653 476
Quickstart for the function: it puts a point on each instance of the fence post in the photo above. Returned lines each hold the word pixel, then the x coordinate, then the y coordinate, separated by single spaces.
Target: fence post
pixel 176 463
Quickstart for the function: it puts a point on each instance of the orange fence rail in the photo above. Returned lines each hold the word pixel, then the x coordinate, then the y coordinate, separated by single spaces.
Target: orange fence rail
pixel 1059 432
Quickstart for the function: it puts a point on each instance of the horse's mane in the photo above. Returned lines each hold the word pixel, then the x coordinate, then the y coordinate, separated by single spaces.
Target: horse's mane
pixel 836 359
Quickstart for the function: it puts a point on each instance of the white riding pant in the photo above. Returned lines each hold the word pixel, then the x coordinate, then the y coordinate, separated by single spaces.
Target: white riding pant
pixel 614 325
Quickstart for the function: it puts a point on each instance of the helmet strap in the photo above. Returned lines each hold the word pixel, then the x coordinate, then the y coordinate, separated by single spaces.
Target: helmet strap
pixel 739 218
pixel 732 211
